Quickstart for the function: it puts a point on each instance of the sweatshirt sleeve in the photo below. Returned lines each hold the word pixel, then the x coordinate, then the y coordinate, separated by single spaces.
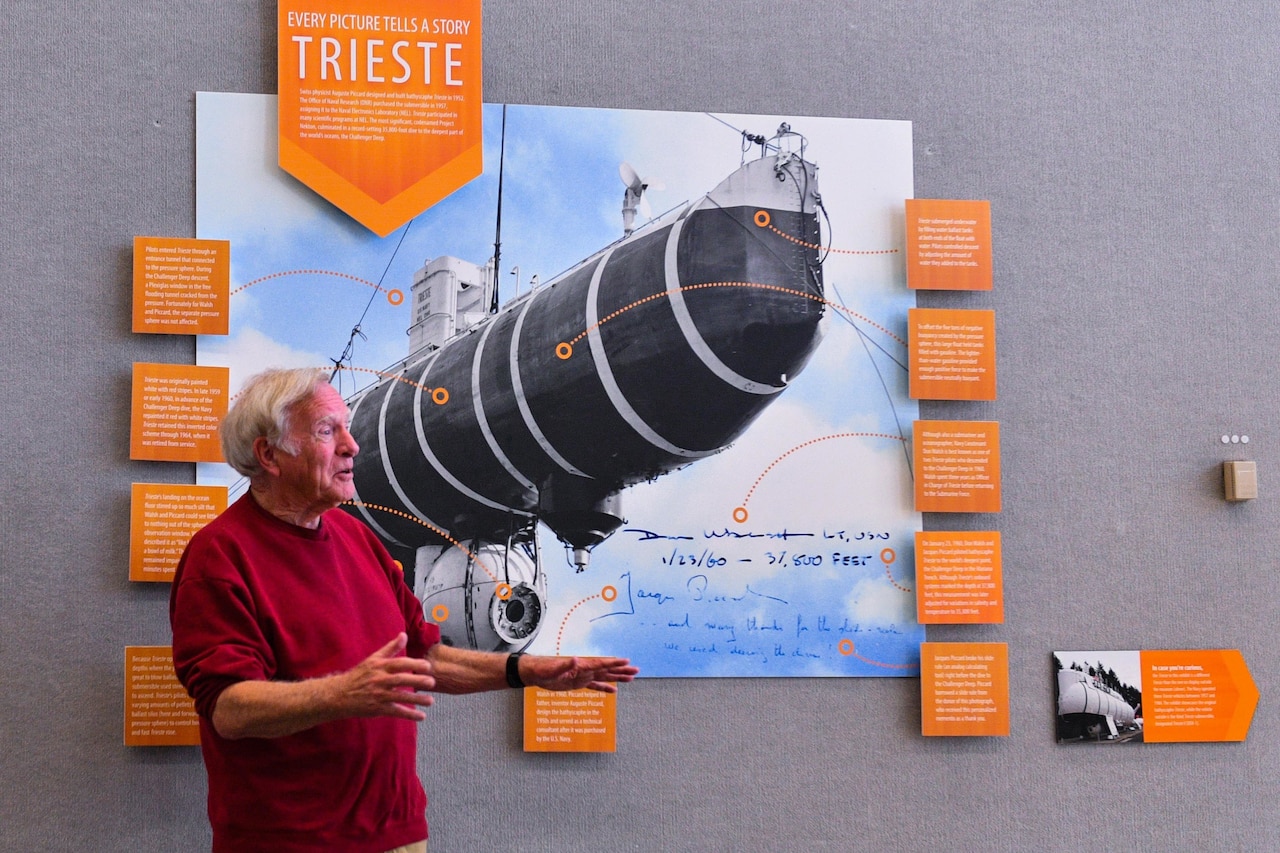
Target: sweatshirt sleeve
pixel 217 639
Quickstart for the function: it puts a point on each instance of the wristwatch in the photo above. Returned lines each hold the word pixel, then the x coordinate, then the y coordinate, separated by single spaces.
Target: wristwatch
pixel 513 670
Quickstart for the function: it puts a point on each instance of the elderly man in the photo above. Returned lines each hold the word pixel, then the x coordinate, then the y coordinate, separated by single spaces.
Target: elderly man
pixel 308 657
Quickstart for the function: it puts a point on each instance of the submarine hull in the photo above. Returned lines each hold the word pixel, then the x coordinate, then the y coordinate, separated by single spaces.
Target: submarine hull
pixel 653 353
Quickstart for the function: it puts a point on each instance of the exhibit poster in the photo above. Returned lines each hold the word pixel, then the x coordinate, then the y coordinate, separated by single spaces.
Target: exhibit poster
pixel 380 102
pixel 641 388
pixel 1153 696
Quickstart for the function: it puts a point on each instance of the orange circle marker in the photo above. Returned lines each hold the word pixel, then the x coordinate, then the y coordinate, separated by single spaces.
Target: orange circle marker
pixel 740 514
pixel 608 593
pixel 440 396
pixel 762 218
pixel 503 591
pixel 846 647
pixel 395 297
pixel 887 556
pixel 564 351
pixel 440 613
pixel 399 565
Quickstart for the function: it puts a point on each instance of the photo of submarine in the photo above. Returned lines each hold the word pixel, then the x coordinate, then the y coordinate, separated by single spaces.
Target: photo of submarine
pixel 656 351
pixel 1094 705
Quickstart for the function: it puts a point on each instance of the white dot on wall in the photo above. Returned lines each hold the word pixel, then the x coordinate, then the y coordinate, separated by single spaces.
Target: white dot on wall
pixel 1226 439
pixel 1244 439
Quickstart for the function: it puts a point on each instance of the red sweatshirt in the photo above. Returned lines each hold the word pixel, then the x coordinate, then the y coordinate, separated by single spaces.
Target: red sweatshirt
pixel 259 598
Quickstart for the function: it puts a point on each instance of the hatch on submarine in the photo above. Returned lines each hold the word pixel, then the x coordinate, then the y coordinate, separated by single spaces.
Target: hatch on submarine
pixel 656 351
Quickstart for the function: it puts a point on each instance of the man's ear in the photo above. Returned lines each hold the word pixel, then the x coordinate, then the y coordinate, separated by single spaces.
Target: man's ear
pixel 266 454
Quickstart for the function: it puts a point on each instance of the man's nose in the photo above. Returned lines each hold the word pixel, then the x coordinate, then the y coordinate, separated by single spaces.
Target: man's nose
pixel 349 446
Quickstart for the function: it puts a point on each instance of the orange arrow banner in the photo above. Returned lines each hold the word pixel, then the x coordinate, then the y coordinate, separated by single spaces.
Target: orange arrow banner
pixel 1196 696
pixel 380 102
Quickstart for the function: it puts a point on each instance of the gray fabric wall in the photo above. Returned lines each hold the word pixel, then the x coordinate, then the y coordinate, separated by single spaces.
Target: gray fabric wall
pixel 1129 151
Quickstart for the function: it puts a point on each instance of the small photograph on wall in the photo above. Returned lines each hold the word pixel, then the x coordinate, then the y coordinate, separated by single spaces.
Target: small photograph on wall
pixel 1098 697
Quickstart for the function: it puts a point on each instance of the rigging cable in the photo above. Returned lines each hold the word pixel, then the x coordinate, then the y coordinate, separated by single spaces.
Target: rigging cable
pixel 497 236
pixel 349 350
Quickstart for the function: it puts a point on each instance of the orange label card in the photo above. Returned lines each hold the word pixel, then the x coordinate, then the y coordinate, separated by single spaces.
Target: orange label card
pixel 948 244
pixel 1205 695
pixel 1134 697
pixel 380 102
pixel 162 518
pixel 964 689
pixel 176 412
pixel 957 466
pixel 569 721
pixel 958 578
pixel 180 286
pixel 157 709
pixel 953 354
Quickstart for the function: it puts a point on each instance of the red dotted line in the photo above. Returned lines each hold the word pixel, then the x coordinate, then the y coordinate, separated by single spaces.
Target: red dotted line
pixel 800 242
pixel 380 373
pixel 897 585
pixel 402 514
pixel 882 663
pixel 565 620
pixel 309 272
pixel 788 290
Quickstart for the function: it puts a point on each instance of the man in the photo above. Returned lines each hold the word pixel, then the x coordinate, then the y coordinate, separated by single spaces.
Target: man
pixel 307 655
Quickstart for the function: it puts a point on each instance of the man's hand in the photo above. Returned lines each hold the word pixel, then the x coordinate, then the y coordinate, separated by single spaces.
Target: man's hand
pixel 385 684
pixel 575 673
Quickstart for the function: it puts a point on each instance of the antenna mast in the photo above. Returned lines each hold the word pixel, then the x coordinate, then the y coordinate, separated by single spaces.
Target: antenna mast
pixel 497 236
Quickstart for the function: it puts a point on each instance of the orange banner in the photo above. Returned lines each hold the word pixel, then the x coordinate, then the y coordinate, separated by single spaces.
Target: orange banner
pixel 952 353
pixel 958 578
pixel 948 244
pixel 162 518
pixel 157 709
pixel 964 689
pixel 181 286
pixel 380 102
pixel 957 466
pixel 176 412
pixel 569 721
pixel 1196 695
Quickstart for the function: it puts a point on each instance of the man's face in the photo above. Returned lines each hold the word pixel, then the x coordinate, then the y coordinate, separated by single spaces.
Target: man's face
pixel 318 477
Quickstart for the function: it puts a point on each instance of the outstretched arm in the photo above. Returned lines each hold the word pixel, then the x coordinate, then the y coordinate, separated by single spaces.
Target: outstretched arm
pixel 385 684
pixel 466 671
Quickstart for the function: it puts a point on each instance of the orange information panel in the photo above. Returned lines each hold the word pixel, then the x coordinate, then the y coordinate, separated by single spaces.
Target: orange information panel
pixel 957 466
pixel 181 286
pixel 157 709
pixel 1205 695
pixel 570 721
pixel 953 354
pixel 380 102
pixel 958 578
pixel 176 411
pixel 948 244
pixel 1134 697
pixel 162 518
pixel 964 689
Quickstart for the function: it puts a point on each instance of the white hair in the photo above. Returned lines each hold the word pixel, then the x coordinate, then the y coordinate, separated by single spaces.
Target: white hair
pixel 262 410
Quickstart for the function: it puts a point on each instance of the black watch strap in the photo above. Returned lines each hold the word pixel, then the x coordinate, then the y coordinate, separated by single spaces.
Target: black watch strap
pixel 513 670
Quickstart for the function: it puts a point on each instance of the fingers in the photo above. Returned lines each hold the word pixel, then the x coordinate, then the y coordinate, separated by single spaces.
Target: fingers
pixel 574 673
pixel 394 648
pixel 388 683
